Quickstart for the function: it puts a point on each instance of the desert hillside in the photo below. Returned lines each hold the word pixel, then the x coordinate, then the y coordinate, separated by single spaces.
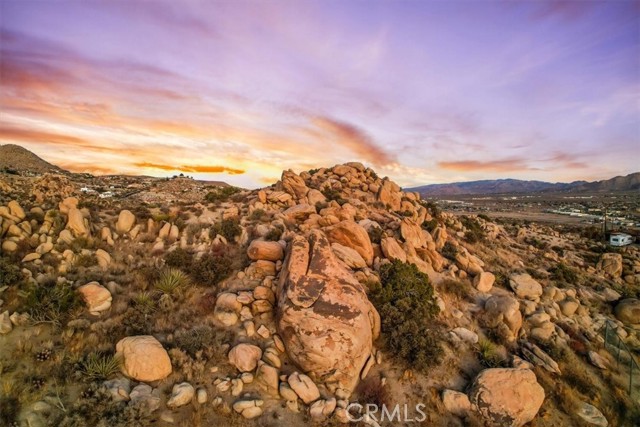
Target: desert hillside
pixel 179 304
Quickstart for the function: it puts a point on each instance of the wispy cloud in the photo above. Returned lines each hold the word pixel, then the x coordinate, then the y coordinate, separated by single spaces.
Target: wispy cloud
pixel 502 165
pixel 190 168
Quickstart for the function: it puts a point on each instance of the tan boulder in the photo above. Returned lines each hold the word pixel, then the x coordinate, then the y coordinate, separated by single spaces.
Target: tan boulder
pixel 300 212
pixel 126 220
pixel 264 250
pixel 97 297
pixel 315 196
pixel 75 223
pixel 304 387
pixel 412 233
pixel 103 257
pixel 484 281
pixel 267 378
pixel 389 194
pixel 349 234
pixel 324 316
pixel 455 402
pixel 68 204
pixel 294 184
pixel 245 357
pixel 350 257
pixel 392 250
pixel 507 397
pixel 16 210
pixel 525 287
pixel 503 313
pixel 628 311
pixel 610 264
pixel 143 358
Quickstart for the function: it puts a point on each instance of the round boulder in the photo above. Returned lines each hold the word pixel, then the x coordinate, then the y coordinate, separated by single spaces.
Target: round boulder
pixel 507 396
pixel 263 250
pixel 143 358
pixel 245 357
pixel 628 311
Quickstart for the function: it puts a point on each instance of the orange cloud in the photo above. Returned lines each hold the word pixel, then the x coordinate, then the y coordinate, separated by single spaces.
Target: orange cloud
pixel 505 165
pixel 192 168
pixel 354 139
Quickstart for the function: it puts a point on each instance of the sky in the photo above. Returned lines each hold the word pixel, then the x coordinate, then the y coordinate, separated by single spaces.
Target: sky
pixel 422 91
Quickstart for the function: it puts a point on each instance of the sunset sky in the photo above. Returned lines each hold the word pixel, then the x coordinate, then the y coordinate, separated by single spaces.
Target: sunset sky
pixel 422 91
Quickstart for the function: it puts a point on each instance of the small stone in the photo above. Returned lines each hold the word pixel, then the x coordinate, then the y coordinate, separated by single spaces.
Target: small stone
pixel 181 395
pixel 201 395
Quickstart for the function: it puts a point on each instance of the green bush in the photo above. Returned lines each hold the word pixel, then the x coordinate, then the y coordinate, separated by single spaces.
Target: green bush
pixel 257 215
pixel 449 250
pixel 474 232
pixel 562 273
pixel 201 337
pixel 9 273
pixel 406 303
pixel 217 265
pixel 460 290
pixel 221 194
pixel 333 194
pixel 179 258
pixel 375 234
pixel 227 228
pixel 489 357
pixel 52 302
pixel 430 225
pixel 274 234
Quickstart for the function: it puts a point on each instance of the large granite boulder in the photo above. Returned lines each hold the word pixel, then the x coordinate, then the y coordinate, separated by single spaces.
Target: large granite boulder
pixel 354 236
pixel 143 358
pixel 324 317
pixel 628 311
pixel 507 397
pixel 610 264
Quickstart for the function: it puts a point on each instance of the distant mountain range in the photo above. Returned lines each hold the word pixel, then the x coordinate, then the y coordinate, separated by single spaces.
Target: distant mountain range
pixel 17 159
pixel 503 186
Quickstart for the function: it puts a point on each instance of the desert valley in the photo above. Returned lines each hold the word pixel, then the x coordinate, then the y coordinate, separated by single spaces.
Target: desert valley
pixel 318 300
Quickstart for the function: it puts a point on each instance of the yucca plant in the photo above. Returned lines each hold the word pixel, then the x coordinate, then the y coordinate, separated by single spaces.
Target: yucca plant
pixel 489 357
pixel 144 302
pixel 98 367
pixel 172 281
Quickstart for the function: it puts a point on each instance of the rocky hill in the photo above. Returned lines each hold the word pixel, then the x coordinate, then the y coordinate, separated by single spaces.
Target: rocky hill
pixel 17 159
pixel 629 182
pixel 304 302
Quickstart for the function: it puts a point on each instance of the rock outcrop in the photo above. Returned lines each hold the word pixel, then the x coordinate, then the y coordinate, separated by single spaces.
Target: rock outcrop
pixel 324 317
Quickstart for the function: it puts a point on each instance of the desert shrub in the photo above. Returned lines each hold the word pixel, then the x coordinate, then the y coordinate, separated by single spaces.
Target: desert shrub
pixel 160 217
pixel 217 265
pixel 52 302
pixel 95 407
pixel 274 234
pixel 489 357
pixel 474 232
pixel 375 234
pixel 9 410
pixel 563 273
pixel 371 390
pixel 449 250
pixel 179 258
pixel 221 194
pixel 201 337
pixel 592 233
pixel 9 273
pixel 332 194
pixel 433 209
pixel 484 217
pixel 501 279
pixel 536 243
pixel 406 303
pixel 227 228
pixel 406 213
pixel 459 289
pixel 557 249
pixel 257 215
pixel 85 260
pixel 144 302
pixel 430 225
pixel 99 367
pixel 172 281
